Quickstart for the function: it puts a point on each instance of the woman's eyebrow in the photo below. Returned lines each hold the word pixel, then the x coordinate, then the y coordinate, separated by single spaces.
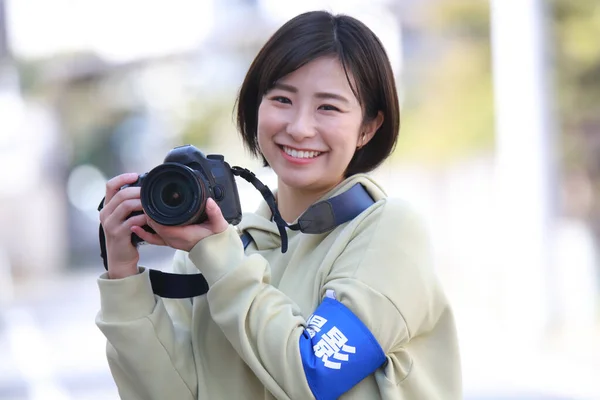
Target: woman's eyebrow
pixel 285 87
pixel 334 96
pixel 319 95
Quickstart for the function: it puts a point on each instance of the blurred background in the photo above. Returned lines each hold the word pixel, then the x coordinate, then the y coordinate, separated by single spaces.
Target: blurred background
pixel 499 149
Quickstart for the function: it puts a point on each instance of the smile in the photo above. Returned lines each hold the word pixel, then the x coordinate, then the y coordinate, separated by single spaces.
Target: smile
pixel 300 153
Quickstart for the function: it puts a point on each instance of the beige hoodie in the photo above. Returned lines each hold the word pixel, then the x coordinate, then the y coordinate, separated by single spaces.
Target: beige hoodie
pixel 240 340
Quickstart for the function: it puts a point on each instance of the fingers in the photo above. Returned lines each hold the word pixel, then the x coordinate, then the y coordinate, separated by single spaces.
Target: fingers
pixel 123 196
pixel 215 216
pixel 178 237
pixel 150 238
pixel 125 208
pixel 118 224
pixel 122 212
pixel 163 230
pixel 114 185
pixel 136 220
pixel 115 213
pixel 116 220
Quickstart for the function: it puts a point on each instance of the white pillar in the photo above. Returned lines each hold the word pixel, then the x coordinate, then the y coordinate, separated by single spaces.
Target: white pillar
pixel 525 164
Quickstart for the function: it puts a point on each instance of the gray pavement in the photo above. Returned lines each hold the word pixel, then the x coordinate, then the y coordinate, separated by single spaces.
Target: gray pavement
pixel 51 348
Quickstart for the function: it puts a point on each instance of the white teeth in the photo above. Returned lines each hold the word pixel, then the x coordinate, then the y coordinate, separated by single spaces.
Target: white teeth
pixel 299 153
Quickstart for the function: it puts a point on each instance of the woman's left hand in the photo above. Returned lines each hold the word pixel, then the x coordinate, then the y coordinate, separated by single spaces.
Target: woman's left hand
pixel 185 237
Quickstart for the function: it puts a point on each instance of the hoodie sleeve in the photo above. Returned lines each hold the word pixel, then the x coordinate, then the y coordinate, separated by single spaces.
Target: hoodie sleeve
pixel 382 277
pixel 149 347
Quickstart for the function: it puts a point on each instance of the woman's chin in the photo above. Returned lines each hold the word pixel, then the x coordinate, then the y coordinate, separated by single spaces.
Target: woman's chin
pixel 306 182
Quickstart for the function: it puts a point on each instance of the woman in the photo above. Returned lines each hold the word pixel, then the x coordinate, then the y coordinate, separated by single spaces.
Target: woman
pixel 355 312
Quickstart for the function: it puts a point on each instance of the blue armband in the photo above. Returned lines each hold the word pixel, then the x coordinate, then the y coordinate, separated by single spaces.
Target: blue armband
pixel 338 350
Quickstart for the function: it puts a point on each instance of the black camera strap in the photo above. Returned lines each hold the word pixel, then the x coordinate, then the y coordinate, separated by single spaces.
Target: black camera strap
pixel 271 202
pixel 321 217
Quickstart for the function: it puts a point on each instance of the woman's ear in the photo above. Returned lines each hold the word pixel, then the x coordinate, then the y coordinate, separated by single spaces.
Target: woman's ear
pixel 369 129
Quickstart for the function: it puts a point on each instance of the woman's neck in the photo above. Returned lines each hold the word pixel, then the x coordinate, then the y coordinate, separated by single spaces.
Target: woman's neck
pixel 293 202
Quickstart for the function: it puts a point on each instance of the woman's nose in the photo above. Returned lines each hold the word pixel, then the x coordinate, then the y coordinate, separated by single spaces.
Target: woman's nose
pixel 301 125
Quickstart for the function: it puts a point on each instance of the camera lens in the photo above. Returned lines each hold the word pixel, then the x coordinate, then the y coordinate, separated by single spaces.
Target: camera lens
pixel 173 194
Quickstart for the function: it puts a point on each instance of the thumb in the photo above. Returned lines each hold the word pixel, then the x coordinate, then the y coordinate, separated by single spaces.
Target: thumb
pixel 215 216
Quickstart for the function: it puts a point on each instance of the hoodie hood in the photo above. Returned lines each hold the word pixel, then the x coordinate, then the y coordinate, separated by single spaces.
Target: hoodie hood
pixel 264 231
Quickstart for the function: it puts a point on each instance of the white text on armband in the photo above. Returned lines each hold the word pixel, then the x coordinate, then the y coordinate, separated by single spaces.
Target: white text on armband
pixel 332 344
pixel 337 350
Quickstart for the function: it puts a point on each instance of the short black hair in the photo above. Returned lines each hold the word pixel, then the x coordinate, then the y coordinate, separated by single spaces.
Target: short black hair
pixel 316 34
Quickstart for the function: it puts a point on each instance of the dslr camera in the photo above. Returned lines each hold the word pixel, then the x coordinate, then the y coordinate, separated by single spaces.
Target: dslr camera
pixel 175 192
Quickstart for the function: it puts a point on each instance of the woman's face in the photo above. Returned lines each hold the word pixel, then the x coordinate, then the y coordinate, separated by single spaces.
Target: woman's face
pixel 309 126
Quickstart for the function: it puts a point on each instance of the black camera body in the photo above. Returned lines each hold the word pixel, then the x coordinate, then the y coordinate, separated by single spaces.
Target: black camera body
pixel 175 193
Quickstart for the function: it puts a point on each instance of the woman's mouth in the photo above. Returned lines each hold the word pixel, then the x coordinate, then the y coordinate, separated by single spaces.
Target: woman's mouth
pixel 301 154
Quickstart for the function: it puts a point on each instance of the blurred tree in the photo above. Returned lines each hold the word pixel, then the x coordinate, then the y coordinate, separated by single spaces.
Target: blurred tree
pixel 577 69
pixel 576 31
pixel 452 69
pixel 455 116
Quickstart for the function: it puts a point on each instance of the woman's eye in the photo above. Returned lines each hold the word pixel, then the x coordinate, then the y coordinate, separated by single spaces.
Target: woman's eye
pixel 281 99
pixel 328 107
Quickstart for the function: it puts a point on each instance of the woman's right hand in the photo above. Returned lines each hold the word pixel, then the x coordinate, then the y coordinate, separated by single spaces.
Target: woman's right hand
pixel 122 255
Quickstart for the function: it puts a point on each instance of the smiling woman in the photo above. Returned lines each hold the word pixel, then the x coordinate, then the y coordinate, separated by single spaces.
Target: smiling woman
pixel 351 311
pixel 310 125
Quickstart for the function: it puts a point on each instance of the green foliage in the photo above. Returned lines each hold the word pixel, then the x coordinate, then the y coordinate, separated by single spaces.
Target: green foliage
pixel 576 32
pixel 448 111
pixel 468 19
pixel 455 116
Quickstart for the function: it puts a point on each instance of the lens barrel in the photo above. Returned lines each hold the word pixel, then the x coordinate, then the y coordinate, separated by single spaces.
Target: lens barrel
pixel 174 194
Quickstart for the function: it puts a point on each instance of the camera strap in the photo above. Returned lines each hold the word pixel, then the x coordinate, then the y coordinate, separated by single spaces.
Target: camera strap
pixel 320 217
pixel 271 202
